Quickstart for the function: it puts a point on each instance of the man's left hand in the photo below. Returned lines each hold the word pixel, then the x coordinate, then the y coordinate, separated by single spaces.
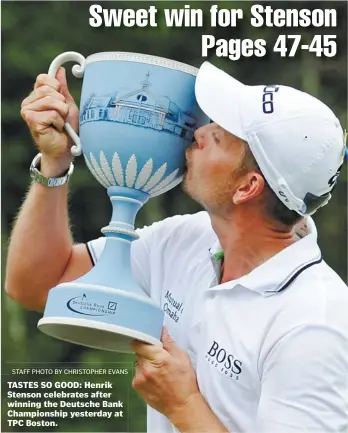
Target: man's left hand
pixel 164 376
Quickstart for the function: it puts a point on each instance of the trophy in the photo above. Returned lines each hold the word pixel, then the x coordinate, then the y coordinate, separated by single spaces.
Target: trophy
pixel 138 114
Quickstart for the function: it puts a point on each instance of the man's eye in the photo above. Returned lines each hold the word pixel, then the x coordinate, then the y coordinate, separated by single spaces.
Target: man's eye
pixel 216 138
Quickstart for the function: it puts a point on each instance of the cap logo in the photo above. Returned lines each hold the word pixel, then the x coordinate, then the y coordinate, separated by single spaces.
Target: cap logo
pixel 267 98
pixel 283 195
pixel 345 149
pixel 333 180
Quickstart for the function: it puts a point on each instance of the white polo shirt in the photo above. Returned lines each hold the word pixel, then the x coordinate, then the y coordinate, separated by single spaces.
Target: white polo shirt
pixel 270 349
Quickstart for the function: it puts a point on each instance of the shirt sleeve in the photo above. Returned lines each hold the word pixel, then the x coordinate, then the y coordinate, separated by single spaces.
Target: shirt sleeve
pixel 140 255
pixel 304 383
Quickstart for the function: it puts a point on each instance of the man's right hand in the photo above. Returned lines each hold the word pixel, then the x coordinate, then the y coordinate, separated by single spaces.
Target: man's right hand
pixel 41 253
pixel 45 111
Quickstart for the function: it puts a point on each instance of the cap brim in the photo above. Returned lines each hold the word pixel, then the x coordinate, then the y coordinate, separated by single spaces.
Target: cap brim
pixel 219 96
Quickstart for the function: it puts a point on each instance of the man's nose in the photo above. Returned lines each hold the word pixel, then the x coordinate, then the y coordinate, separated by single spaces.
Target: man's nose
pixel 199 137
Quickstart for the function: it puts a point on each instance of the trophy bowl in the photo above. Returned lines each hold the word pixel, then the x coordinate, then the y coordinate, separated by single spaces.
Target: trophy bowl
pixel 138 114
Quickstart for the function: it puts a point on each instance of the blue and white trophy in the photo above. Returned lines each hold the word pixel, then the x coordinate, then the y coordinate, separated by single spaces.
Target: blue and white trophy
pixel 138 114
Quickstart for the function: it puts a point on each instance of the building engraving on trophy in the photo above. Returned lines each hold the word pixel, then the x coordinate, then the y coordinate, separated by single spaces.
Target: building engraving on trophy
pixel 140 108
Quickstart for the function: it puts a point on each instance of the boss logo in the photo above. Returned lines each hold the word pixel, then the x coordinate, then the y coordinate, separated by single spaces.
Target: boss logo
pixel 224 361
pixel 267 98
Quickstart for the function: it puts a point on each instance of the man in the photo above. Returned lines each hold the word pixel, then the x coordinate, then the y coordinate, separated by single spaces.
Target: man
pixel 256 329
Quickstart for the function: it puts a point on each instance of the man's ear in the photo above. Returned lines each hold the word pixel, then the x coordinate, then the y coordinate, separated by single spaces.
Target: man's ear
pixel 249 186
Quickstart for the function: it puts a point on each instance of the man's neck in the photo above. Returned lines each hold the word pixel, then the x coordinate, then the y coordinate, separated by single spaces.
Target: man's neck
pixel 248 241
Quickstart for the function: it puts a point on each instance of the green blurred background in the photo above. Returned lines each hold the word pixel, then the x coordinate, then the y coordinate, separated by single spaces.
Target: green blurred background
pixel 33 33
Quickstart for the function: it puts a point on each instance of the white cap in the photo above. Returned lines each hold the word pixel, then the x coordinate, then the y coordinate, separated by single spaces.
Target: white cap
pixel 296 139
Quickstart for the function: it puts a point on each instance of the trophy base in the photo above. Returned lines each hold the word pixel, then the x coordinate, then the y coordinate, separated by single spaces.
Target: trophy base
pixel 93 334
pixel 101 317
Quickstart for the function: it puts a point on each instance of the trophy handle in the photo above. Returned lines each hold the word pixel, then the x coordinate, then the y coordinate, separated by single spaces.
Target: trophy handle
pixel 77 71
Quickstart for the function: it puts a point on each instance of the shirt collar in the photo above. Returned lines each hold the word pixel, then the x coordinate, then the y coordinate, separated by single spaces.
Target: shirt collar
pixel 277 273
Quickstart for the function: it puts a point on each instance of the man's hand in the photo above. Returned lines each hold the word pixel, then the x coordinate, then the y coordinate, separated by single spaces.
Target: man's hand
pixel 164 376
pixel 167 381
pixel 45 110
